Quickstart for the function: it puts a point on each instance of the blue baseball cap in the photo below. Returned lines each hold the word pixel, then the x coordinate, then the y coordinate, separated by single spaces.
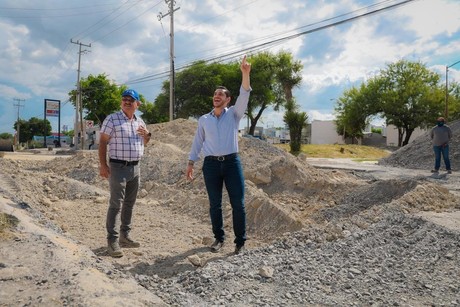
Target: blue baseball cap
pixel 131 93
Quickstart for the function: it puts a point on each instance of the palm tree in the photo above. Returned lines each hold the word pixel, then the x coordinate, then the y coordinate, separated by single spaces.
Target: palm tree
pixel 296 121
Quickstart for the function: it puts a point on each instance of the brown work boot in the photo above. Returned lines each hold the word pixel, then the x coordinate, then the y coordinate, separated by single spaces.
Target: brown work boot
pixel 114 250
pixel 126 241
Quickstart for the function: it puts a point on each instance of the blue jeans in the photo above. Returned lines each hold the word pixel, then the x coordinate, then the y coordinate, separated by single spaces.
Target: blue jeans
pixel 444 151
pixel 124 184
pixel 230 172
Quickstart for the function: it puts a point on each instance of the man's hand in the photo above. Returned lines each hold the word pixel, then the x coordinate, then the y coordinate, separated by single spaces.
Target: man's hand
pixel 245 66
pixel 189 172
pixel 245 70
pixel 104 170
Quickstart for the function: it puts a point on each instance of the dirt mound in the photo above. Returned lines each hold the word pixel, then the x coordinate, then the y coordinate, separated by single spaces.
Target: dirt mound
pixel 419 153
pixel 284 195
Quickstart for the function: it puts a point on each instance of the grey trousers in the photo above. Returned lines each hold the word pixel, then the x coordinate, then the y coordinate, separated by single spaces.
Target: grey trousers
pixel 124 184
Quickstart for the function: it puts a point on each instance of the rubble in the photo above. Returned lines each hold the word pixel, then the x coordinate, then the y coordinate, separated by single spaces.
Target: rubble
pixel 316 236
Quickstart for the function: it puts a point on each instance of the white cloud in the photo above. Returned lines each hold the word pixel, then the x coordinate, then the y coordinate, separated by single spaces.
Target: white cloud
pixel 429 18
pixel 317 115
pixel 39 61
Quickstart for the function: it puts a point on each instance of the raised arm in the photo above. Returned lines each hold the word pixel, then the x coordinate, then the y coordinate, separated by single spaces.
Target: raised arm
pixel 245 71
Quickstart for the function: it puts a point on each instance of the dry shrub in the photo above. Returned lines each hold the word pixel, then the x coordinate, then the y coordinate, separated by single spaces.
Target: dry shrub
pixel 7 223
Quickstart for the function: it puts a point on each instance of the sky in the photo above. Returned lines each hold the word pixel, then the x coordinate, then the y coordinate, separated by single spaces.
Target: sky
pixel 340 44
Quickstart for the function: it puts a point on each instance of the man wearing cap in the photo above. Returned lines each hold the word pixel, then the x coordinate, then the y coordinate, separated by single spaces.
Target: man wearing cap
pixel 125 134
pixel 441 135
pixel 217 138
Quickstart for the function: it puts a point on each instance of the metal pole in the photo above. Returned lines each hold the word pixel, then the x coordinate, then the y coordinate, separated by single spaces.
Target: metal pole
pixel 446 111
pixel 18 125
pixel 59 125
pixel 44 125
pixel 171 56
pixel 78 104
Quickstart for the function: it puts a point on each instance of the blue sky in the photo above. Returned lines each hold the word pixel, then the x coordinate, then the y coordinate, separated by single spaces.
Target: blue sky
pixel 128 42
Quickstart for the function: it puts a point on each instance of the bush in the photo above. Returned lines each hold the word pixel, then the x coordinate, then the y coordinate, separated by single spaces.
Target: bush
pixel 376 130
pixel 36 144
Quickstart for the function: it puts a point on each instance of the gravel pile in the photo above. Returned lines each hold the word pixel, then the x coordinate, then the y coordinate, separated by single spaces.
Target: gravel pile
pixel 399 261
pixel 419 154
pixel 316 237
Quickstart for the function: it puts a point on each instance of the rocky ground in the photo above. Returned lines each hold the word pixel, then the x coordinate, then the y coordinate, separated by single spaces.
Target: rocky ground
pixel 365 235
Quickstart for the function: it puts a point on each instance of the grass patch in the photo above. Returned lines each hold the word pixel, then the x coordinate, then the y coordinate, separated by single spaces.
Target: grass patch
pixel 7 222
pixel 359 152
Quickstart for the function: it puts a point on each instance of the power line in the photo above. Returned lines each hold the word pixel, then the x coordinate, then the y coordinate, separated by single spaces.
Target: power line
pixel 274 35
pixel 100 21
pixel 269 44
pixel 126 23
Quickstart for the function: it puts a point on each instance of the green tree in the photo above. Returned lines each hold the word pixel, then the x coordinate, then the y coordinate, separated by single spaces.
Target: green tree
pixel 296 121
pixel 288 74
pixel 151 115
pixel 273 78
pixel 264 91
pixel 101 97
pixel 194 89
pixel 353 112
pixel 410 97
pixel 34 126
pixel 406 94
pixel 6 136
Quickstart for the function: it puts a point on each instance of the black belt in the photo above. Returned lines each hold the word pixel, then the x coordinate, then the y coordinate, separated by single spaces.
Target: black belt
pixel 127 163
pixel 222 158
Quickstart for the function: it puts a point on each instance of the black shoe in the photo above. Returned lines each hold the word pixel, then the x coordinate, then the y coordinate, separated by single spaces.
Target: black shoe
pixel 449 171
pixel 239 249
pixel 216 246
pixel 435 171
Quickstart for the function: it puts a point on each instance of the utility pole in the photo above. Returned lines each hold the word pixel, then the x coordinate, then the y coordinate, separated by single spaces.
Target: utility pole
pixel 78 104
pixel 17 123
pixel 171 54
pixel 446 111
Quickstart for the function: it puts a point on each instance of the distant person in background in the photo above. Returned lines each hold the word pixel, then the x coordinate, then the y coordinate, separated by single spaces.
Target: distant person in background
pixel 217 136
pixel 441 135
pixel 92 137
pixel 126 135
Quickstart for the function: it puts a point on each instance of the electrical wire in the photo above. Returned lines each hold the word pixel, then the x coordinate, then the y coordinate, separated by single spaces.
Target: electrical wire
pixel 100 21
pixel 126 23
pixel 270 44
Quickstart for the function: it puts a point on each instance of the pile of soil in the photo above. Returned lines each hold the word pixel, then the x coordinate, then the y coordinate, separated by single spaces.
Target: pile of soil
pixel 286 198
pixel 419 153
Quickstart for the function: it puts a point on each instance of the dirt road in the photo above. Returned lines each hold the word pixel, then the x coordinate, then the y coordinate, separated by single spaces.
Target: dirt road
pixel 66 196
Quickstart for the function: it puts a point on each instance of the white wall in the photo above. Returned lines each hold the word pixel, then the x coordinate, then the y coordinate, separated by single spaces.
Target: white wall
pixel 323 132
pixel 392 135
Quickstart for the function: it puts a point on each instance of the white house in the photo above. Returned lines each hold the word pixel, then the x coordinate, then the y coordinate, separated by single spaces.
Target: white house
pixel 324 132
pixel 392 135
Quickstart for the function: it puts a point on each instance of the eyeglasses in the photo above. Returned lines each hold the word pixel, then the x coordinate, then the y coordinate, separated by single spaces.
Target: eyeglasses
pixel 128 99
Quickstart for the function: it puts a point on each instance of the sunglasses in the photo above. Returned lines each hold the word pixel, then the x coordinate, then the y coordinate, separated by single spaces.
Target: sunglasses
pixel 128 99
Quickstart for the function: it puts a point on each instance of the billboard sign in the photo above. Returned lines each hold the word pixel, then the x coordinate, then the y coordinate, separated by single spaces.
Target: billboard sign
pixel 52 107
